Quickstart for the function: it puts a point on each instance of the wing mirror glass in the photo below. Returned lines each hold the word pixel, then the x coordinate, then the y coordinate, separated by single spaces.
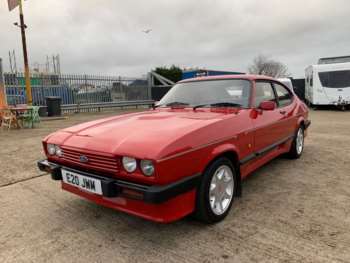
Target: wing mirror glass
pixel 267 105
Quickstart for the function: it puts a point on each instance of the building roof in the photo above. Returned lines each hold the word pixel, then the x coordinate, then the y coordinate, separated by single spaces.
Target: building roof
pixel 331 60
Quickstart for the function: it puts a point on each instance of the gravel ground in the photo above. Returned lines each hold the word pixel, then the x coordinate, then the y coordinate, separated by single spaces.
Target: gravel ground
pixel 291 211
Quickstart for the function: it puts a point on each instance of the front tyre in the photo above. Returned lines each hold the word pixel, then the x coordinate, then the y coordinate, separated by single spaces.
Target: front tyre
pixel 216 192
pixel 297 147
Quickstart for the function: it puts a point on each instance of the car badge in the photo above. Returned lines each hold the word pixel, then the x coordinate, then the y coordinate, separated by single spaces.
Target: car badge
pixel 83 159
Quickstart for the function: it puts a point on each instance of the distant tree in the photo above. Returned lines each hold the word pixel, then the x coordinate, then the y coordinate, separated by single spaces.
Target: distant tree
pixel 173 73
pixel 263 65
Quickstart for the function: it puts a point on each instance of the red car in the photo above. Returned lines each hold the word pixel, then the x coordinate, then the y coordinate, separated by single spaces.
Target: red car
pixel 187 155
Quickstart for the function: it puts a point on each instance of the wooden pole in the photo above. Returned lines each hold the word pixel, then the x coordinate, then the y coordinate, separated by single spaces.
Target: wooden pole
pixel 25 55
pixel 3 101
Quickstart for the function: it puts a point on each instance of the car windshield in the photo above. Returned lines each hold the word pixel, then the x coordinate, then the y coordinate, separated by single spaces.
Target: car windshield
pixel 213 93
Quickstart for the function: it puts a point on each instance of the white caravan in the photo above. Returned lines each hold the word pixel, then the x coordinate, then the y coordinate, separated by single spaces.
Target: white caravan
pixel 287 82
pixel 328 82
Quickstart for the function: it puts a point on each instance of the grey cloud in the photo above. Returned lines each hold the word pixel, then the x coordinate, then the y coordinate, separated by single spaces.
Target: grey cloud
pixel 105 36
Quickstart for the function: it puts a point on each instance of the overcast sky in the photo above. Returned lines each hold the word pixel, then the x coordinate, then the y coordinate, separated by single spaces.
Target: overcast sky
pixel 105 36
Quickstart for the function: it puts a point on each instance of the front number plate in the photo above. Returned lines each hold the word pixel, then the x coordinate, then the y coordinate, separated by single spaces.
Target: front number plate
pixel 85 183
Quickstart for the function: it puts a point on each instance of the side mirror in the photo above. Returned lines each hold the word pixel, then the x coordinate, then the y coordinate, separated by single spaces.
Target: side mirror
pixel 267 105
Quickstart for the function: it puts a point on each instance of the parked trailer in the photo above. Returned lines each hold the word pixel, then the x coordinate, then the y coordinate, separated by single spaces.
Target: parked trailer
pixel 328 84
pixel 287 82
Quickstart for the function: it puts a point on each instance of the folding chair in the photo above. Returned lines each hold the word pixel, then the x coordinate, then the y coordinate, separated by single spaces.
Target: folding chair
pixel 30 117
pixel 35 113
pixel 8 119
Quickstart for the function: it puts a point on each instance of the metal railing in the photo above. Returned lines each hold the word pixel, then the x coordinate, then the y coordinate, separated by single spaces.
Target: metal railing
pixel 76 89
pixel 97 107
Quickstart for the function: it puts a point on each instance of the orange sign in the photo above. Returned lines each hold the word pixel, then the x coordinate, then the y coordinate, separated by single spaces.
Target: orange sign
pixel 3 103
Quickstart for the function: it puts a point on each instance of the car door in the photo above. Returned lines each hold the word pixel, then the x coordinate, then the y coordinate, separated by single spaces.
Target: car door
pixel 287 121
pixel 268 130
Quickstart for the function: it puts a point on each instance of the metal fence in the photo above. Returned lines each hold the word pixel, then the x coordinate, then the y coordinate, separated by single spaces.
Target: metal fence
pixel 76 89
pixel 97 107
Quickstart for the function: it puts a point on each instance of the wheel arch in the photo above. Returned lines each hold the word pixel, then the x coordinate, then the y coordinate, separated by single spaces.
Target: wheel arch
pixel 301 122
pixel 230 152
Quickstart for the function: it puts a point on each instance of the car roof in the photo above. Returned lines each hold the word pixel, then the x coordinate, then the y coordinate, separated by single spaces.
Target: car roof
pixel 220 77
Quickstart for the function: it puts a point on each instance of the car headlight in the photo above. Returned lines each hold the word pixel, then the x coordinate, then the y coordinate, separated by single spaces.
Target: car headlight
pixel 147 167
pixel 51 149
pixel 129 164
pixel 59 151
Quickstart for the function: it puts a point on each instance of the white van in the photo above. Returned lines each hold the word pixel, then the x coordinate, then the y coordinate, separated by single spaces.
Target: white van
pixel 328 83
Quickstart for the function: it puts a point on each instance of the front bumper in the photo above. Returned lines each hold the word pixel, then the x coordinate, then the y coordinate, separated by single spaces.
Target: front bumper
pixel 113 187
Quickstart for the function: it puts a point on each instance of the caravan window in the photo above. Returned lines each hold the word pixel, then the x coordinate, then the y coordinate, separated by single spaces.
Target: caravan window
pixel 335 79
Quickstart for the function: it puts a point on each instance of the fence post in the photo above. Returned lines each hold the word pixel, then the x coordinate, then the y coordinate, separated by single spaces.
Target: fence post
pixel 3 100
pixel 149 91
pixel 43 101
pixel 121 89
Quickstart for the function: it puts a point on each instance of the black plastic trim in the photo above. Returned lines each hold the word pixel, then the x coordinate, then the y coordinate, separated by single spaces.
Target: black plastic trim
pixel 265 150
pixel 307 123
pixel 112 187
pixel 247 158
pixel 53 169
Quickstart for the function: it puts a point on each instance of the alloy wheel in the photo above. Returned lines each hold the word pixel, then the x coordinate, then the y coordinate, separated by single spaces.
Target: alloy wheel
pixel 300 141
pixel 221 190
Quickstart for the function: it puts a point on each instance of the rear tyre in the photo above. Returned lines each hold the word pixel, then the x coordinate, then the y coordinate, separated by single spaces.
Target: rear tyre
pixel 216 191
pixel 297 148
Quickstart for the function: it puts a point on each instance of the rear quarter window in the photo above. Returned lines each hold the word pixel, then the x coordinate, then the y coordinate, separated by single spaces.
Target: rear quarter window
pixel 263 92
pixel 284 96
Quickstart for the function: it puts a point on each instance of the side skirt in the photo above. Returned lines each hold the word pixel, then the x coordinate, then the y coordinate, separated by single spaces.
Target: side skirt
pixel 265 150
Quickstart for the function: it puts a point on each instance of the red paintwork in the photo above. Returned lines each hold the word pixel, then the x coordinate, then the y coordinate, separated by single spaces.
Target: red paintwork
pixel 182 142
pixel 268 105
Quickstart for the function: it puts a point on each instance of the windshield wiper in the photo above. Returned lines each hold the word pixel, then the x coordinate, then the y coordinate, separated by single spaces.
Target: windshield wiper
pixel 218 104
pixel 170 104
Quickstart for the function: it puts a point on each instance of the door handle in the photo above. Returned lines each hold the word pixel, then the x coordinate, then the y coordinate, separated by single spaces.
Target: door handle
pixel 283 112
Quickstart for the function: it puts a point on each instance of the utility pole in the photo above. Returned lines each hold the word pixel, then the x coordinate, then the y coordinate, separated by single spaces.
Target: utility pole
pixel 3 101
pixel 25 54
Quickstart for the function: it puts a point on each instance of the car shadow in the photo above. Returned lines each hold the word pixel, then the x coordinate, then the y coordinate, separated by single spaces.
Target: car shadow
pixel 260 190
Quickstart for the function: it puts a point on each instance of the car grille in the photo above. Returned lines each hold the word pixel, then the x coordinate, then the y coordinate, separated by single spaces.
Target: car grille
pixel 95 161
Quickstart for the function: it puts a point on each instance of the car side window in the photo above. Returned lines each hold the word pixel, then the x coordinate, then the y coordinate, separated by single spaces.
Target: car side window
pixel 263 92
pixel 284 96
